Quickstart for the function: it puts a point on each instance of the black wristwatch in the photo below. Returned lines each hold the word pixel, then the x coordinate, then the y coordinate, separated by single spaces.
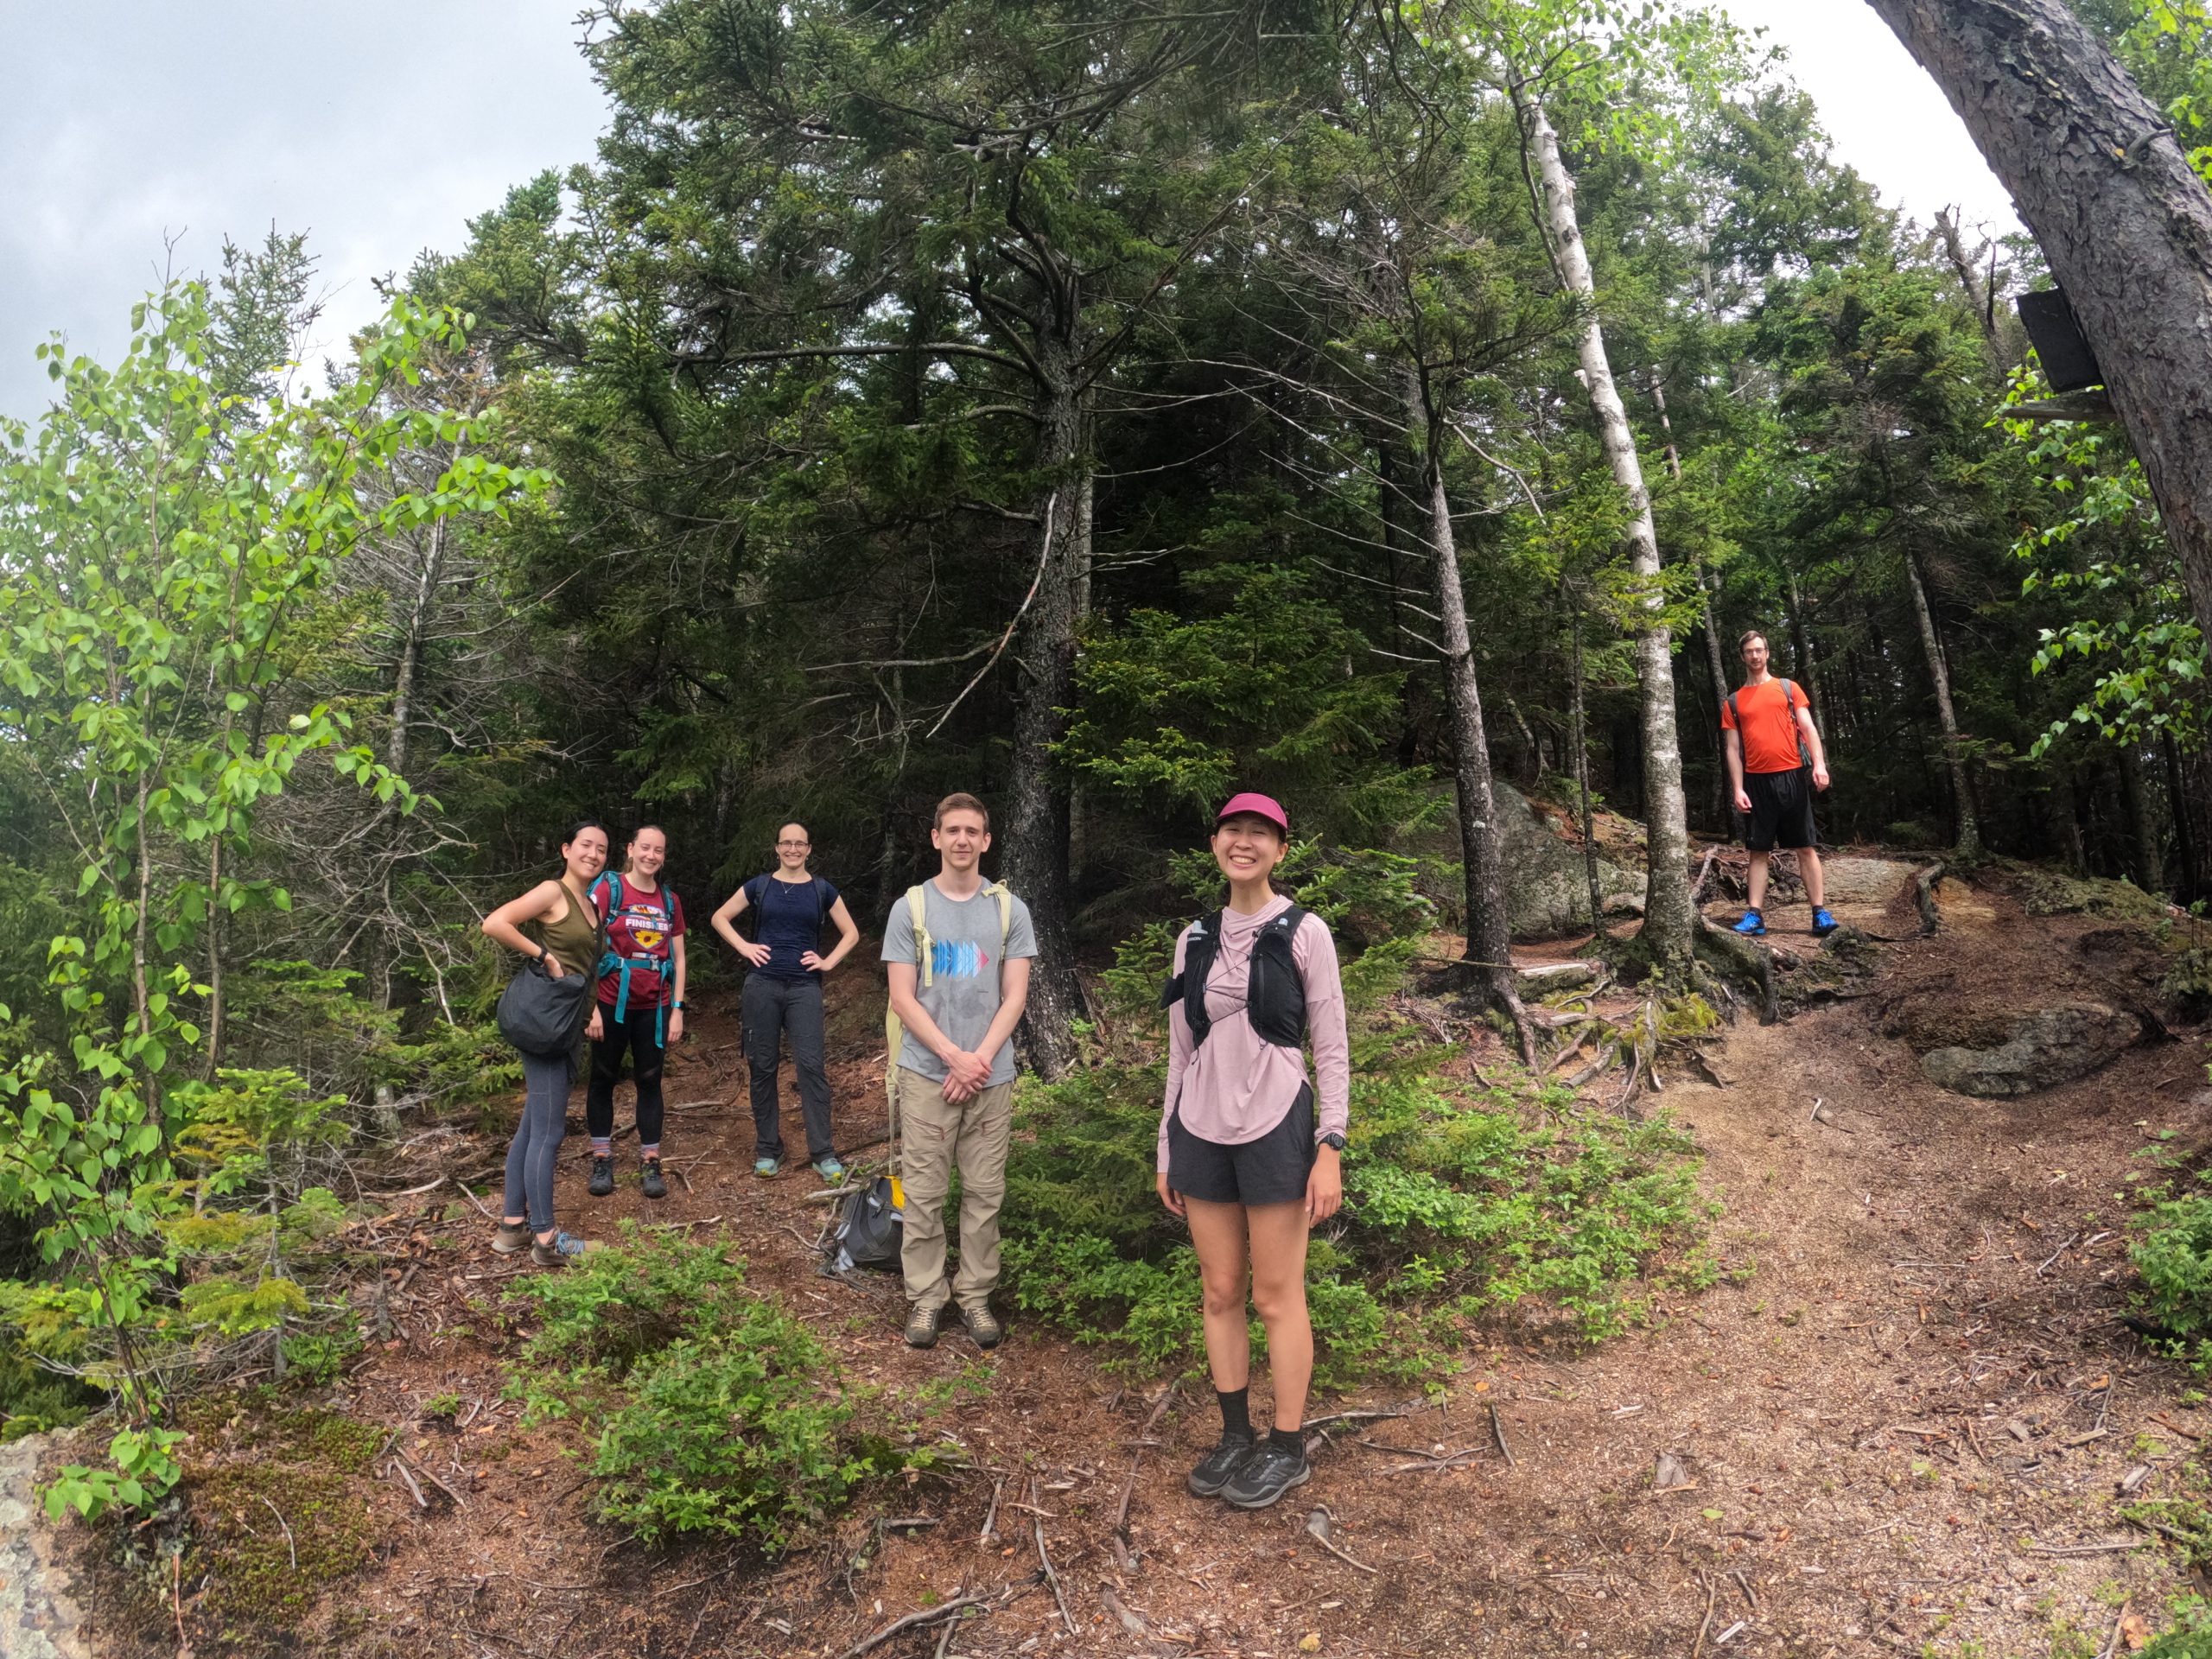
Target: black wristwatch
pixel 1334 1141
pixel 543 953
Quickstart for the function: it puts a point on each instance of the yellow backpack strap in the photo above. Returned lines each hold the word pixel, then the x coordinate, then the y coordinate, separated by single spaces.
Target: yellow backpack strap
pixel 998 891
pixel 925 946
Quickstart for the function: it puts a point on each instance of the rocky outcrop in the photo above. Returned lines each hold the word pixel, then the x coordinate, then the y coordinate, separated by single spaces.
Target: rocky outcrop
pixel 2040 1049
pixel 1545 889
pixel 38 1617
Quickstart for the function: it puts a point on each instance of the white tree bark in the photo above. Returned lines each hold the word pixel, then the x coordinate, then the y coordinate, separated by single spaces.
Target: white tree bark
pixel 1667 914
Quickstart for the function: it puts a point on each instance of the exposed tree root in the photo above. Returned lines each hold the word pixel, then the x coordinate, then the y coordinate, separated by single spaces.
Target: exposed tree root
pixel 1743 960
pixel 1923 892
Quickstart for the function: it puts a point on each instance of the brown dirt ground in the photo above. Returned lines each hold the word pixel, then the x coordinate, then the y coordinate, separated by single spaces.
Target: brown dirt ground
pixel 1903 1408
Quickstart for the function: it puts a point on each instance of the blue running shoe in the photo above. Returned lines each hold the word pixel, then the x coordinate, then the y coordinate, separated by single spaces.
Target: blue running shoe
pixel 830 1171
pixel 1753 926
pixel 765 1168
pixel 1823 923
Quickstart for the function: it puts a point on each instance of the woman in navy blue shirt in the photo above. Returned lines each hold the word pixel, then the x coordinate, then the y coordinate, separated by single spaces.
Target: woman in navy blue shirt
pixel 783 992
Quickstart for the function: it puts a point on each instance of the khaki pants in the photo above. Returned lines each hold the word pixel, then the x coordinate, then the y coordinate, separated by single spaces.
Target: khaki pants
pixel 939 1136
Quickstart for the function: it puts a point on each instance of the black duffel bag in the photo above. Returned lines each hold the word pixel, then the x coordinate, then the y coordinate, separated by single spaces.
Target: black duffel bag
pixel 544 1016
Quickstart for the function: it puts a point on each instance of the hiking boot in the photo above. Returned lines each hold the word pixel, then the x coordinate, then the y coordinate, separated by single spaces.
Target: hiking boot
pixel 921 1325
pixel 1266 1476
pixel 765 1168
pixel 655 1187
pixel 1219 1466
pixel 507 1240
pixel 1753 926
pixel 829 1169
pixel 982 1323
pixel 1823 923
pixel 560 1252
pixel 602 1177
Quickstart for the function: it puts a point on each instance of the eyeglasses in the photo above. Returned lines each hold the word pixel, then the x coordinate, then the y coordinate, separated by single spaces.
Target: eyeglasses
pixel 794 844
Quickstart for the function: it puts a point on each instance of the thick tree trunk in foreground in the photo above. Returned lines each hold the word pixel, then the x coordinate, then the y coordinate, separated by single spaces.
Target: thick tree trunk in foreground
pixel 1667 913
pixel 1939 673
pixel 1034 830
pixel 2097 175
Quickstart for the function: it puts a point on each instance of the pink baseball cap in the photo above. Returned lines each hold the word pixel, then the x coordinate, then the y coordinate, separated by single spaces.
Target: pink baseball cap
pixel 1264 806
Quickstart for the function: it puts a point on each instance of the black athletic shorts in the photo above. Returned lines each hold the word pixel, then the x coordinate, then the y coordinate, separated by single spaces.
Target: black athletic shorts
pixel 1270 1170
pixel 1781 809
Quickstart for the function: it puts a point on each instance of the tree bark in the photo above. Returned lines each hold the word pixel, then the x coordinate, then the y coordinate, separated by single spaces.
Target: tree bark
pixel 1968 839
pixel 1668 918
pixel 2184 832
pixel 1964 265
pixel 2124 222
pixel 1481 846
pixel 1036 821
pixel 2148 868
pixel 1575 715
pixel 1800 646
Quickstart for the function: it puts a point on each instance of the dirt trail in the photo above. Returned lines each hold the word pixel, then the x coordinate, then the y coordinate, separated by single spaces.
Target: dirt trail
pixel 1908 1393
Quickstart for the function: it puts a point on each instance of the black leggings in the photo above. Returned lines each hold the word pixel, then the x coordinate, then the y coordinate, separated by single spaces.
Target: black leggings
pixel 635 1033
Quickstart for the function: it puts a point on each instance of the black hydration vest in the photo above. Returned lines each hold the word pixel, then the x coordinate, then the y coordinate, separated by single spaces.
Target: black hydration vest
pixel 1275 996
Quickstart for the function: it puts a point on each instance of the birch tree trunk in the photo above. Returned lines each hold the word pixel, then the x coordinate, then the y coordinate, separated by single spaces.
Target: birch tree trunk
pixel 1667 918
pixel 1969 829
pixel 2126 225
pixel 1582 786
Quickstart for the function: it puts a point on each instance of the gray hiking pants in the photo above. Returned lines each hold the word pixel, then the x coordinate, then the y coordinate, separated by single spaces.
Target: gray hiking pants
pixel 770 1008
pixel 530 1154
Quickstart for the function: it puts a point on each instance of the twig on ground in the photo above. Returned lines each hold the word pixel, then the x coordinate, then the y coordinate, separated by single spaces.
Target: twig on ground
pixel 1317 1528
pixel 1497 1427
pixel 1158 1409
pixel 1122 1510
pixel 915 1621
pixel 413 1485
pixel 1045 1561
pixel 289 1548
pixel 991 1515
pixel 1135 1623
pixel 1705 1624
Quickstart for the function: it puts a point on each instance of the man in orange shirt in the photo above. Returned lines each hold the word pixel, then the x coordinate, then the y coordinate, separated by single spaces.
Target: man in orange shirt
pixel 1775 763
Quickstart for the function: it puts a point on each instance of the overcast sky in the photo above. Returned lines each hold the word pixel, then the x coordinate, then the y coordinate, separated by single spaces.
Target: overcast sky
pixel 380 129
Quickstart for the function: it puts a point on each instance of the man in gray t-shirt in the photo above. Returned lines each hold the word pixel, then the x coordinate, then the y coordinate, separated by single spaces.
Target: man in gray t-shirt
pixel 962 996
pixel 955 1067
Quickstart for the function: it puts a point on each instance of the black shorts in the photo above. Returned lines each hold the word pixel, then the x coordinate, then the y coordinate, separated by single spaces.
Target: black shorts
pixel 1270 1170
pixel 1781 809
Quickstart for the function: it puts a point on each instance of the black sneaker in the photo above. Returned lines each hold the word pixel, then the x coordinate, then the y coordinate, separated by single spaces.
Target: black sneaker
pixel 654 1185
pixel 1266 1476
pixel 1219 1466
pixel 602 1178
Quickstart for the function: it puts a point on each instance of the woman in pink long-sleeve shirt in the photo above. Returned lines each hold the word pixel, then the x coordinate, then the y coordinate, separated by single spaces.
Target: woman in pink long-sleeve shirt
pixel 1246 1156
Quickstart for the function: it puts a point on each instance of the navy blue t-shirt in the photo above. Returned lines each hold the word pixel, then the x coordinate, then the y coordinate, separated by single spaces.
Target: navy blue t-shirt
pixel 791 916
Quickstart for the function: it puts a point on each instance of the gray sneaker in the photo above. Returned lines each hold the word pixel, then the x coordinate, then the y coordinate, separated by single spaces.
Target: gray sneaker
pixel 1266 1476
pixel 1219 1466
pixel 921 1325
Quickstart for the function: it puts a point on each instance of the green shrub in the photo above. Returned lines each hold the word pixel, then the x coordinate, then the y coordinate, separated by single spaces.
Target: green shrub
pixel 2172 1250
pixel 709 1408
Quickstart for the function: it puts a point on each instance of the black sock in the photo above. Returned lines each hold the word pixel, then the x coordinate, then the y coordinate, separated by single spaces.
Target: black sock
pixel 1292 1440
pixel 1236 1412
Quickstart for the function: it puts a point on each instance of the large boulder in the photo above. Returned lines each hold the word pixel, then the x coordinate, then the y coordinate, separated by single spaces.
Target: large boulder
pixel 2040 1049
pixel 1546 890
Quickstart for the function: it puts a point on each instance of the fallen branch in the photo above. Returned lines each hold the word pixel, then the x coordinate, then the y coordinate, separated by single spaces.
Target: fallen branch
pixel 1045 1561
pixel 1318 1529
pixel 913 1622
pixel 1497 1427
pixel 1923 893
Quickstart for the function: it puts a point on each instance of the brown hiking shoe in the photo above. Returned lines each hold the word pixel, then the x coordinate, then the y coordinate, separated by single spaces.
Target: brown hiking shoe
pixel 921 1325
pixel 562 1252
pixel 982 1323
pixel 507 1241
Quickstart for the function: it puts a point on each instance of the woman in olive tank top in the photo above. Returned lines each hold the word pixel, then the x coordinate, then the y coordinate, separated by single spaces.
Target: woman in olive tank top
pixel 556 923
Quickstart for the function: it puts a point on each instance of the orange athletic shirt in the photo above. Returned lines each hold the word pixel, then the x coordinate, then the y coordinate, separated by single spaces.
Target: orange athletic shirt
pixel 1770 728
